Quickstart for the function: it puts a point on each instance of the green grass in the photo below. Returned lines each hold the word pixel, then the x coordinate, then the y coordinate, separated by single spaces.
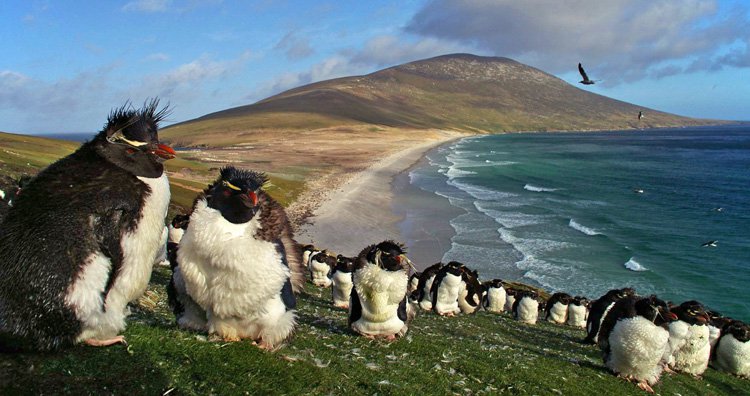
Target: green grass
pixel 27 155
pixel 477 354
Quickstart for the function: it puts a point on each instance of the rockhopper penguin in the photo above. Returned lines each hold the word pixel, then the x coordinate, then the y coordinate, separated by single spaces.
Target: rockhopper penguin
pixel 578 311
pixel 79 243
pixel 378 306
pixel 234 263
pixel 495 296
pixel 689 339
pixel 634 339
pixel 599 309
pixel 320 266
pixel 733 349
pixel 446 287
pixel 341 281
pixel 557 308
pixel 422 295
pixel 526 306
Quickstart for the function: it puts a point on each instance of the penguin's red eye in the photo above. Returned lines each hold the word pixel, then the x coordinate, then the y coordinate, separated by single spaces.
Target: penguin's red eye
pixel 130 151
pixel 227 193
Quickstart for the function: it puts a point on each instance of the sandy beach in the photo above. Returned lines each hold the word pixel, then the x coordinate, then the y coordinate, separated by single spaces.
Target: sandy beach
pixel 358 212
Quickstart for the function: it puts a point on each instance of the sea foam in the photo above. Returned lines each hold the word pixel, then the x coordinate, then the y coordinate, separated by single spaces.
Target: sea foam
pixel 531 187
pixel 582 228
pixel 634 265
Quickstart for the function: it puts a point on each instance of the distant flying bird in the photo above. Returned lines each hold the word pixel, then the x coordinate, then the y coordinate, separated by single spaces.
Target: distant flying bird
pixel 640 115
pixel 586 80
pixel 718 209
pixel 638 190
pixel 710 243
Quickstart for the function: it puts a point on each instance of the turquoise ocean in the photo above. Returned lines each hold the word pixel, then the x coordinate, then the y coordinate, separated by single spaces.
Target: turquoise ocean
pixel 587 212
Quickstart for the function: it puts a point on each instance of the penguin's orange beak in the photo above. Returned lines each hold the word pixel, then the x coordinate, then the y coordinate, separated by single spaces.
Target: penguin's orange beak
pixel 164 151
pixel 671 316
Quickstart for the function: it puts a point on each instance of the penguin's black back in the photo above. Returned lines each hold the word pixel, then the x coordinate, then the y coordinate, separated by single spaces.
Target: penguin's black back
pixel 418 295
pixel 598 308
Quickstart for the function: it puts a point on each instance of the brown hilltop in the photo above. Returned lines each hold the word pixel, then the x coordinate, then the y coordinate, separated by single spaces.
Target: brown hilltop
pixel 459 92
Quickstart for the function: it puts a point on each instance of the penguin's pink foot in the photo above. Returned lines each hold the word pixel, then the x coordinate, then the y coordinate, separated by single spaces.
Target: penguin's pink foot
pixel 264 346
pixel 111 341
pixel 390 337
pixel 369 336
pixel 668 370
pixel 644 385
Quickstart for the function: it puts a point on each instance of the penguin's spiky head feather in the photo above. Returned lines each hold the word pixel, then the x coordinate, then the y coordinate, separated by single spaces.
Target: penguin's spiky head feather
pixel 580 300
pixel 738 329
pixel 235 193
pixel 692 312
pixel 130 139
pixel 655 310
pixel 389 255
pixel 344 264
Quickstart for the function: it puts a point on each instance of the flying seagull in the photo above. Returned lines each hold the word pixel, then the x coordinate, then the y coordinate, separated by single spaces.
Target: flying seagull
pixel 638 190
pixel 585 80
pixel 710 243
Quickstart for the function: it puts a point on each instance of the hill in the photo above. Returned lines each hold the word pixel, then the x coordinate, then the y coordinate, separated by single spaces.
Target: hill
pixel 459 92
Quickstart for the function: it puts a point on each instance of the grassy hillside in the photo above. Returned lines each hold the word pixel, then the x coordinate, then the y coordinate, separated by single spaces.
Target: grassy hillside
pixel 27 155
pixel 455 92
pixel 23 154
pixel 479 354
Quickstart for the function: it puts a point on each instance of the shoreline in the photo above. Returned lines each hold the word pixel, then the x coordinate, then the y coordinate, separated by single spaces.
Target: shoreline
pixel 358 210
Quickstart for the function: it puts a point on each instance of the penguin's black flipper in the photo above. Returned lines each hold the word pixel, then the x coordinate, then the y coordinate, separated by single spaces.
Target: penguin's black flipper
pixel 287 292
pixel 355 307
pixel 287 296
pixel 107 228
pixel 402 310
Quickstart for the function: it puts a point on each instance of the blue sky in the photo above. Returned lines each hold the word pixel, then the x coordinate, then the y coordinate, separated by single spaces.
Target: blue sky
pixel 65 65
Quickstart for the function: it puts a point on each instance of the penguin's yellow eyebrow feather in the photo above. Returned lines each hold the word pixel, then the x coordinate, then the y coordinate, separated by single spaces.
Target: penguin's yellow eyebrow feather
pixel 232 186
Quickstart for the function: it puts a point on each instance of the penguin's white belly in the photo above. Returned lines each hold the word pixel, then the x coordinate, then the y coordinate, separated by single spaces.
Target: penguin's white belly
pixel 380 292
pixel 733 356
pixel 690 347
pixel 558 313
pixel 463 302
pixel 713 335
pixel 496 299
pixel 528 310
pixel 447 295
pixel 426 302
pixel 509 301
pixel 637 347
pixel 105 319
pixel 175 234
pixel 413 283
pixel 342 288
pixel 577 315
pixel 320 273
pixel 226 270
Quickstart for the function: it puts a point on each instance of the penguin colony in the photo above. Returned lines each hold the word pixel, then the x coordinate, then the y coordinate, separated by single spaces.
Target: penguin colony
pixel 237 268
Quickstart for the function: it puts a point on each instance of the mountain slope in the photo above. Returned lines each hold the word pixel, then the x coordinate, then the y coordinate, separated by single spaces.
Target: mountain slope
pixel 458 92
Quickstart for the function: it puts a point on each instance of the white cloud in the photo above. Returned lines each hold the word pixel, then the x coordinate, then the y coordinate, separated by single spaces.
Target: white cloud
pixel 388 50
pixel 167 5
pixel 295 48
pixel 148 5
pixel 158 57
pixel 618 40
